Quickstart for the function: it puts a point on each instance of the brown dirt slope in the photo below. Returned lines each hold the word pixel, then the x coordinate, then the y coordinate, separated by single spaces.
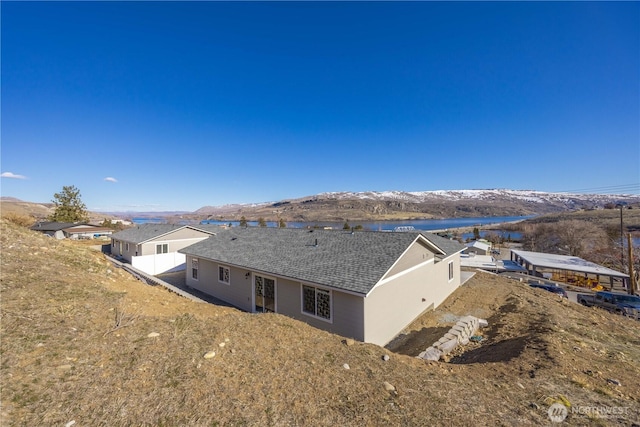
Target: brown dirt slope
pixel 75 346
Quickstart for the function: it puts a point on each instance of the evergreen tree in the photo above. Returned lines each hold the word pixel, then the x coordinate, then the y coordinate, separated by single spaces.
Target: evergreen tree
pixel 69 206
pixel 113 225
pixel 262 222
pixel 243 221
pixel 476 233
pixel 282 224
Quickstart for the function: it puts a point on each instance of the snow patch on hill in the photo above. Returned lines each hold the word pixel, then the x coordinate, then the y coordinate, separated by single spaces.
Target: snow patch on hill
pixel 491 194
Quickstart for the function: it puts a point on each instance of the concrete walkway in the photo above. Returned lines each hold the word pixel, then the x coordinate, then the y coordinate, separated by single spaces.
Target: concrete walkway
pixel 465 276
pixel 174 282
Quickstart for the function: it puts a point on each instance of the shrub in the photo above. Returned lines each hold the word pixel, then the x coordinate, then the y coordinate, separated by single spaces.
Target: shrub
pixel 19 219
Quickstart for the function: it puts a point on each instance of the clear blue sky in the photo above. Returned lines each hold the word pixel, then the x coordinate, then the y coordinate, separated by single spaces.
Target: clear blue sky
pixel 172 106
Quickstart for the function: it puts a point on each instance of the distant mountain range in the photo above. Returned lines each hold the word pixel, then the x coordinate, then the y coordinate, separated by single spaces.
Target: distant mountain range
pixel 373 205
pixel 398 205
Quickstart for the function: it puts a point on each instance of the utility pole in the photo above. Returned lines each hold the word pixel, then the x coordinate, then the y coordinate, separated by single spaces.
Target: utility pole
pixel 632 276
pixel 621 239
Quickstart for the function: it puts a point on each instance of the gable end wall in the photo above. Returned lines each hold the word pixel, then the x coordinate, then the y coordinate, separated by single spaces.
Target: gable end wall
pixel 392 306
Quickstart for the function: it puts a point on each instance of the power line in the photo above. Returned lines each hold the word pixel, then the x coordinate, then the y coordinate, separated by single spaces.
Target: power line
pixel 630 188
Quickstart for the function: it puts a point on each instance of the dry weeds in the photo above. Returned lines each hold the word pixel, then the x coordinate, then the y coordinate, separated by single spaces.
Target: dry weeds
pixel 67 356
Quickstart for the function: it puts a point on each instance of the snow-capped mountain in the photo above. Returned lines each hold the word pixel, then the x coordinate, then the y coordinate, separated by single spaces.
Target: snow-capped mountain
pixel 488 195
pixel 371 205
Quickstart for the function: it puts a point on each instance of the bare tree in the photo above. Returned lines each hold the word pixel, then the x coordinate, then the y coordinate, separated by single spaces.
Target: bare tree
pixel 580 238
pixel 572 237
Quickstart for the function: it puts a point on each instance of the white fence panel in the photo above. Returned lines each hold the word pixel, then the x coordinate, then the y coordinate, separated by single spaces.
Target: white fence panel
pixel 159 263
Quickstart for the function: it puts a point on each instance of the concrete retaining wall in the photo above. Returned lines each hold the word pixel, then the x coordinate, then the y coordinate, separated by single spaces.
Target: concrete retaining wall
pixel 458 335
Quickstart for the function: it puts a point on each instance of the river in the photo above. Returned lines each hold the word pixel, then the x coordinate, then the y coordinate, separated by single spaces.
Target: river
pixel 417 224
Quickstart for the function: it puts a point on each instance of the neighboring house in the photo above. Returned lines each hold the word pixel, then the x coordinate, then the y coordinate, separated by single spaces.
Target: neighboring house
pixel 153 248
pixel 364 285
pixel 69 230
pixel 489 263
pixel 477 247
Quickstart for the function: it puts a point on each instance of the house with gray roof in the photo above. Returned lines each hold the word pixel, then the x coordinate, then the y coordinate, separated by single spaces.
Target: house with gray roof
pixel 71 230
pixel 153 248
pixel 364 285
pixel 477 247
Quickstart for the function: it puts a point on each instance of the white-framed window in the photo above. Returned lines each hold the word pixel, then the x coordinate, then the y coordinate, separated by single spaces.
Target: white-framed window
pixel 450 270
pixel 162 248
pixel 224 275
pixel 194 268
pixel 316 302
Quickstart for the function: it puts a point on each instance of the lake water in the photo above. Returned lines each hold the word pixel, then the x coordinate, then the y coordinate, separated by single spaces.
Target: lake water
pixel 149 220
pixel 421 224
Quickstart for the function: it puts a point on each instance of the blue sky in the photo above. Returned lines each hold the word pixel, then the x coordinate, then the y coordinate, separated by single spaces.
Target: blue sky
pixel 152 106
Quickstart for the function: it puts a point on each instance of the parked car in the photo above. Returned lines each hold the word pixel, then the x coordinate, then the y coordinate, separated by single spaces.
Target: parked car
pixel 550 288
pixel 625 304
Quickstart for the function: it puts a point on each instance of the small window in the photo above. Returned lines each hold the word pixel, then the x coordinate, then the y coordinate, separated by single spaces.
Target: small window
pixel 162 248
pixel 224 275
pixel 316 302
pixel 451 271
pixel 126 247
pixel 194 269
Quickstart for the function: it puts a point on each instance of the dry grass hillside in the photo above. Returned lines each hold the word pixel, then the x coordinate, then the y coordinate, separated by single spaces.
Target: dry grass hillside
pixel 82 341
pixel 32 212
pixel 606 218
pixel 37 211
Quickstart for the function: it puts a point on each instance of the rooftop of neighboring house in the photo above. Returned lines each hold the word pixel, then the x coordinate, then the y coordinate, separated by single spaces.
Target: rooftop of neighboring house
pixel 566 262
pixel 144 232
pixel 479 245
pixel 54 226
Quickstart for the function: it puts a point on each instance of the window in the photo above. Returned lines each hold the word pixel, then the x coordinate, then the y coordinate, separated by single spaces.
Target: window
pixel 224 275
pixel 162 248
pixel 316 302
pixel 451 271
pixel 126 247
pixel 194 269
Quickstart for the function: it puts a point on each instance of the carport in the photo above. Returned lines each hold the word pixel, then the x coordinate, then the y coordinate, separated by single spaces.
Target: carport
pixel 569 269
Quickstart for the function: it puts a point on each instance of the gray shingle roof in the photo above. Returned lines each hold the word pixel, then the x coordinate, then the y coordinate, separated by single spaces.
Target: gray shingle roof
pixel 143 232
pixel 448 246
pixel 54 226
pixel 341 259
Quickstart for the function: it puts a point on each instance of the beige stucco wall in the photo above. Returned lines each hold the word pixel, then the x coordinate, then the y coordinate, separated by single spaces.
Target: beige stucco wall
pixel 416 254
pixel 120 248
pixel 393 305
pixel 347 310
pixel 176 240
pixel 174 245
pixel 238 292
